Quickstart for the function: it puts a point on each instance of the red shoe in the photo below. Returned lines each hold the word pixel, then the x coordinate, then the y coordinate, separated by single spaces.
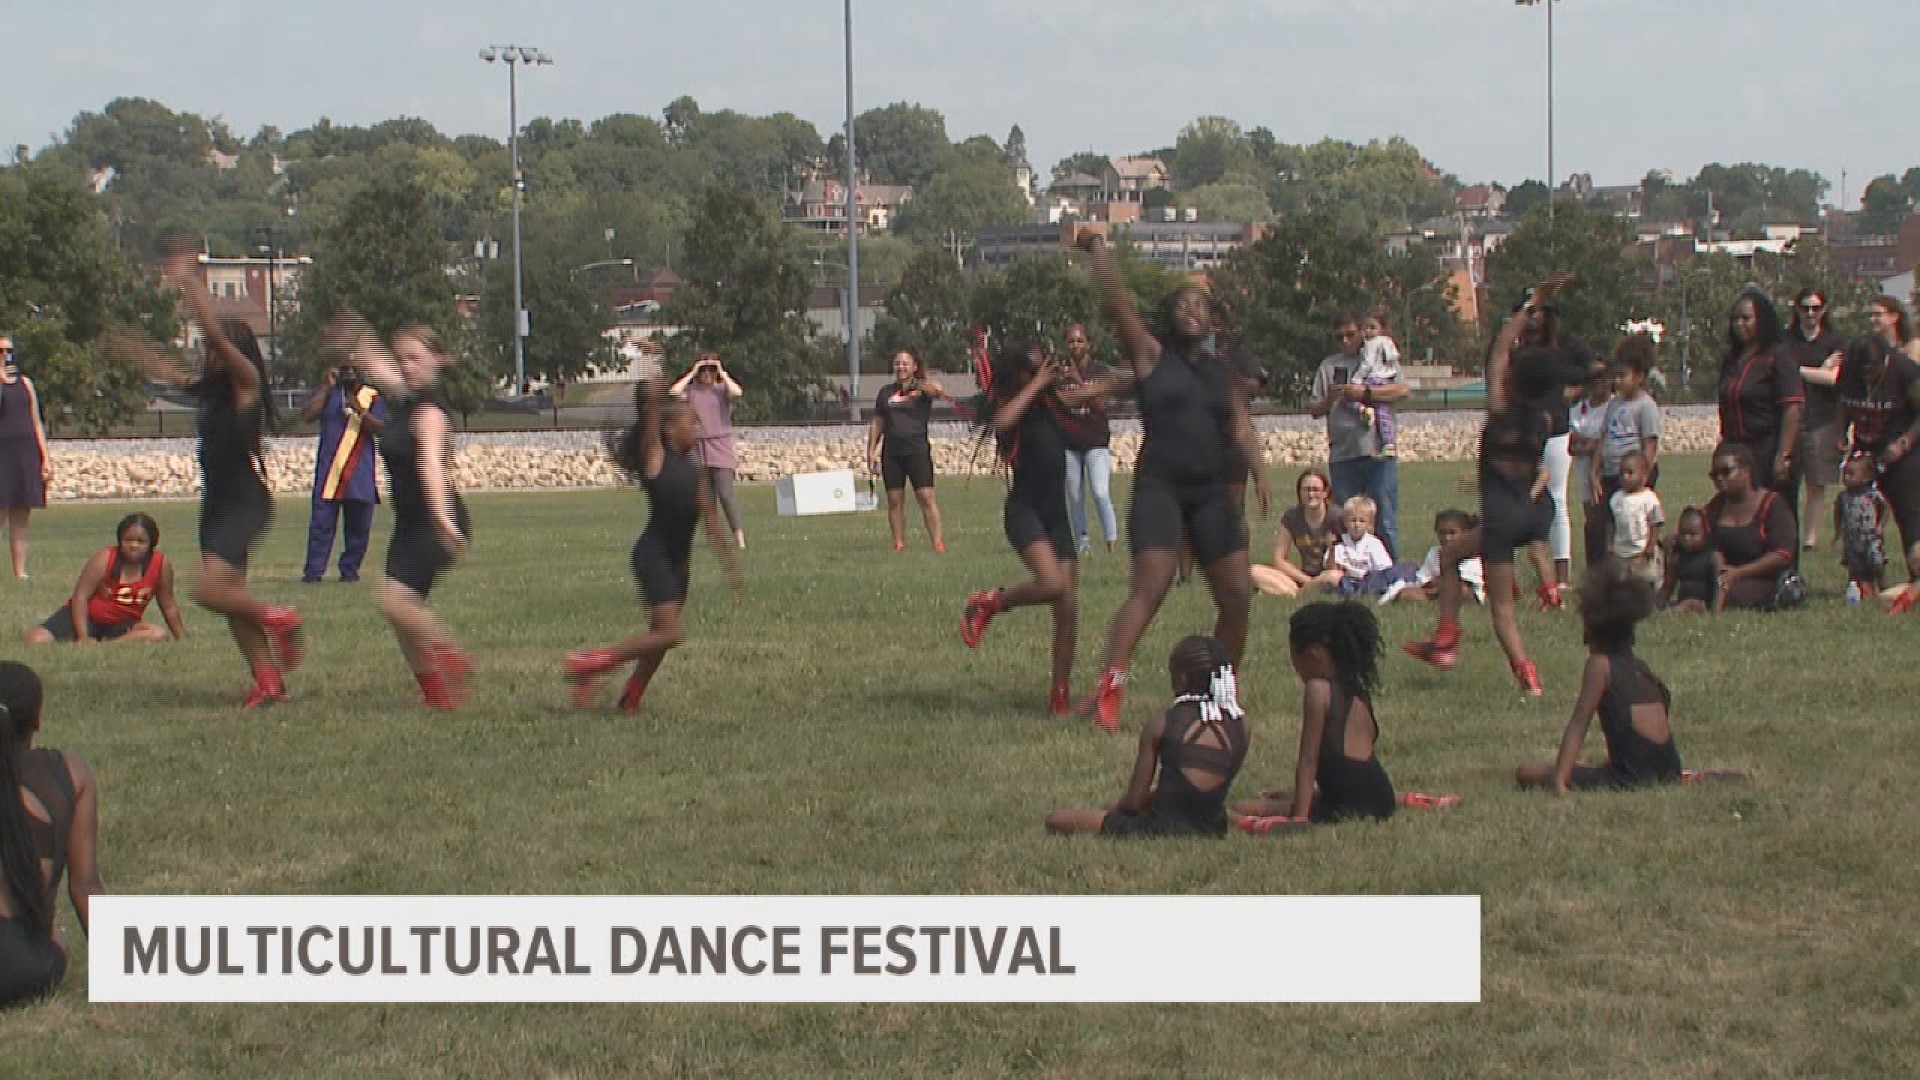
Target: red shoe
pixel 454 667
pixel 1440 650
pixel 1420 800
pixel 1903 602
pixel 1551 597
pixel 1270 826
pixel 899 546
pixel 1529 678
pixel 282 625
pixel 980 610
pixel 939 547
pixel 1059 702
pixel 267 689
pixel 434 692
pixel 583 672
pixel 1108 695
pixel 631 693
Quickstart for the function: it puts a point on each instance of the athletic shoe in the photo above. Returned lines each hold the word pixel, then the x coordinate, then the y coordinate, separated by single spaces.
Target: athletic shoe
pixel 1270 826
pixel 583 670
pixel 1108 695
pixel 1902 603
pixel 980 610
pixel 1086 545
pixel 268 688
pixel 1442 650
pixel 434 692
pixel 1528 677
pixel 1059 702
pixel 454 667
pixel 282 625
pixel 1551 598
pixel 631 693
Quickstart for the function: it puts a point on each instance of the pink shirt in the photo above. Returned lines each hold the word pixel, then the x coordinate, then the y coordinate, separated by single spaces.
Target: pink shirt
pixel 714 410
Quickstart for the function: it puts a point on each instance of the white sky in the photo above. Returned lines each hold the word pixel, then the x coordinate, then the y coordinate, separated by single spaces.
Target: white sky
pixel 1640 83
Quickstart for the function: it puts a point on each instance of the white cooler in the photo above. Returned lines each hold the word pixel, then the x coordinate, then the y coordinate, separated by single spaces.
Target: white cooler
pixel 816 493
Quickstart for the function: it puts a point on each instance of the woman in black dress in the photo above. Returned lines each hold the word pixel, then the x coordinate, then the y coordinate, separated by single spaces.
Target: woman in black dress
pixel 657 451
pixel 25 467
pixel 1761 395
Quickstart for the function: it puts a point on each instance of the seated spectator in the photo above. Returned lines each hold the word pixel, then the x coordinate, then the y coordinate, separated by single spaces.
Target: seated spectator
pixel 1364 566
pixel 1752 531
pixel 1448 527
pixel 1692 578
pixel 1311 528
pixel 109 602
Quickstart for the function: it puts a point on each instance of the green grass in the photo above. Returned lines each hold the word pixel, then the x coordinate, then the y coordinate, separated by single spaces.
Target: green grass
pixel 830 734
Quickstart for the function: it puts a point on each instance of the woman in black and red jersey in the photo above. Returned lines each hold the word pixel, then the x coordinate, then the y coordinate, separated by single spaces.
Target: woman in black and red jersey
pixel 1028 416
pixel 110 600
pixel 1761 396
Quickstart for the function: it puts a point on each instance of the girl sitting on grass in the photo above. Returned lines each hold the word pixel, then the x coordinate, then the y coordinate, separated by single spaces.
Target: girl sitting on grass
pixel 1336 650
pixel 1197 747
pixel 109 602
pixel 1633 704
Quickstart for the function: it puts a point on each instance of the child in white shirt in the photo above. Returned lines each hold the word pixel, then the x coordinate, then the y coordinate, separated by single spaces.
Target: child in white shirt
pixel 1361 558
pixel 1379 366
pixel 1448 525
pixel 1637 519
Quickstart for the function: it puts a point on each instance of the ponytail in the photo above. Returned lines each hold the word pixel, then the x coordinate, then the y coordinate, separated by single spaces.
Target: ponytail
pixel 20 872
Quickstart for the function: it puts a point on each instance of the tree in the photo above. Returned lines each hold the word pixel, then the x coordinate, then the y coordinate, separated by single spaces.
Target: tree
pixel 1086 161
pixel 382 258
pixel 1595 245
pixel 565 317
pixel 1525 195
pixel 747 283
pixel 958 201
pixel 1210 150
pixel 901 143
pixel 1229 201
pixel 1035 300
pixel 1883 205
pixel 930 311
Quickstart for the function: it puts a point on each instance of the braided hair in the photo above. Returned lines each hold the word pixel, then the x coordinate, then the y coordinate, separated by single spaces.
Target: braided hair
pixel 1204 673
pixel 1351 636
pixel 21 878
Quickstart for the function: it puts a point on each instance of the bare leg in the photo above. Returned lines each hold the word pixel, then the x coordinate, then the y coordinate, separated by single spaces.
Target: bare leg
pixel 145 632
pixel 1152 575
pixel 1229 582
pixel 17 517
pixel 1274 581
pixel 38 636
pixel 1066 633
pixel 1269 804
pixel 1534 774
pixel 1069 822
pixel 1500 602
pixel 662 635
pixel 222 589
pixel 1543 569
pixel 930 514
pixel 897 516
pixel 413 624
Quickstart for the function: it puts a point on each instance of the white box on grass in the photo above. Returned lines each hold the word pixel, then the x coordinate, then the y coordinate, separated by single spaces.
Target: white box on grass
pixel 816 493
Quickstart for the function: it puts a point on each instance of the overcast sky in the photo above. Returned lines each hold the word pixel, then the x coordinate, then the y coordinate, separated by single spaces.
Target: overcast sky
pixel 1640 83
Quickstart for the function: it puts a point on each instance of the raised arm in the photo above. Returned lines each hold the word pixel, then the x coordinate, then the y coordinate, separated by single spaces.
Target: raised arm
pixel 1139 347
pixel 679 387
pixel 1007 417
pixel 354 337
pixel 221 353
pixel 316 401
pixel 1593 685
pixel 169 604
pixel 83 840
pixel 1316 700
pixel 91 575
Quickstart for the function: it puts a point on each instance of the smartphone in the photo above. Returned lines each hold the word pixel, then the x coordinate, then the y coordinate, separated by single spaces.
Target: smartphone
pixel 1341 375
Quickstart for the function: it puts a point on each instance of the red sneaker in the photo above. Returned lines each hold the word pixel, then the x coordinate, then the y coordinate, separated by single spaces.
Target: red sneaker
pixel 282 625
pixel 1433 651
pixel 1108 695
pixel 583 671
pixel 980 610
pixel 1903 602
pixel 268 688
pixel 433 690
pixel 1528 677
pixel 454 666
pixel 1271 826
pixel 631 693
pixel 1551 598
pixel 1059 702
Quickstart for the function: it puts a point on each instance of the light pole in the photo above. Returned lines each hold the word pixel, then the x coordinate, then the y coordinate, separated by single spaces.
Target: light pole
pixel 269 236
pixel 514 56
pixel 853 238
pixel 1552 182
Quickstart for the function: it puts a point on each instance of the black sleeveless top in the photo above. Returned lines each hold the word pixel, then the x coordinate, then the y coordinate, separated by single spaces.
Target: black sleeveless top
pixel 228 443
pixel 1629 683
pixel 673 501
pixel 1349 787
pixel 1175 796
pixel 1186 417
pixel 1037 456
pixel 44 773
pixel 400 448
pixel 1514 440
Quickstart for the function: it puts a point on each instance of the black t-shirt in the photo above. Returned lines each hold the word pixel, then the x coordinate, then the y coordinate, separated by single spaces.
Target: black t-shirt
pixel 1086 427
pixel 1879 393
pixel 1754 391
pixel 903 418
pixel 1823 402
pixel 1186 413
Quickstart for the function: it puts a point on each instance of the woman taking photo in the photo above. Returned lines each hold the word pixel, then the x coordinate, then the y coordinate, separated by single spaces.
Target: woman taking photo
pixel 1089 434
pixel 711 391
pixel 1751 531
pixel 49 827
pixel 25 467
pixel 1880 411
pixel 899 449
pixel 1761 396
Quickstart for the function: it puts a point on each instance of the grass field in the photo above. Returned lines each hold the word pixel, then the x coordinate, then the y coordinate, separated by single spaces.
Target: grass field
pixel 830 734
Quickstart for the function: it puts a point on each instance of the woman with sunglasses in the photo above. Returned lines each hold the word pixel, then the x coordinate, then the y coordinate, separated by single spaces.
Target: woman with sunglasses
pixel 1816 348
pixel 25 467
pixel 1750 529
pixel 1762 396
pixel 1880 412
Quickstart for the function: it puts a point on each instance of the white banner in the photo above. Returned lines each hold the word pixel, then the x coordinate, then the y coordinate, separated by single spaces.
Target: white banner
pixel 785 949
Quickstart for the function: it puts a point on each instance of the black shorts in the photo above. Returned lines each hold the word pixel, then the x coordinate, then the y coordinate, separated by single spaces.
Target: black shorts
pixel 31 965
pixel 1120 824
pixel 903 467
pixel 415 556
pixel 231 528
pixel 60 625
pixel 1027 524
pixel 662 574
pixel 1163 515
pixel 1509 518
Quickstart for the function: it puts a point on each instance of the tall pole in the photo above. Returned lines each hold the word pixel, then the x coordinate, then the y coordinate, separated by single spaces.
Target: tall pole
pixel 853 240
pixel 1553 182
pixel 519 305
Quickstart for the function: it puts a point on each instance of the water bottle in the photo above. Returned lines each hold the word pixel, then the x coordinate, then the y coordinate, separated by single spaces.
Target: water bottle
pixel 1853 594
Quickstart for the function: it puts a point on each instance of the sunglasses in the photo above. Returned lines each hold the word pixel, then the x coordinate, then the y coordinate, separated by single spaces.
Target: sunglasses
pixel 1813 309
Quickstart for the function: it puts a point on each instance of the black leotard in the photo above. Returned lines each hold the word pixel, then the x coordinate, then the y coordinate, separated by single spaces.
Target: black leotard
pixel 663 555
pixel 1179 807
pixel 1349 787
pixel 1186 415
pixel 416 555
pixel 1633 760
pixel 31 964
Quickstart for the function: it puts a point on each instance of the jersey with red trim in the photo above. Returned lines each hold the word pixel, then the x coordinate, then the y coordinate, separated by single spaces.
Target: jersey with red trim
pixel 115 601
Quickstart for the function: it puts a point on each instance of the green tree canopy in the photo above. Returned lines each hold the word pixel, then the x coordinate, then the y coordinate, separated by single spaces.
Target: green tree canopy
pixel 960 200
pixel 1595 245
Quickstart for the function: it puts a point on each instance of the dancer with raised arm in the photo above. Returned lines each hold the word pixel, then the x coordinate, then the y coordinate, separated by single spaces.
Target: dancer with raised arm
pixel 1193 417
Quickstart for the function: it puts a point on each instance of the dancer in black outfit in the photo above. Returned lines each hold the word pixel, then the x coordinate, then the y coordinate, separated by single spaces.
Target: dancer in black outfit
pixel 1193 417
pixel 236 506
pixel 1196 747
pixel 901 451
pixel 1026 423
pixel 1634 706
pixel 49 826
pixel 431 529
pixel 1336 652
pixel 657 450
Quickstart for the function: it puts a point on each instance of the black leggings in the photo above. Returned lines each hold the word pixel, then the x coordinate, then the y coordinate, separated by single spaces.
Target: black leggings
pixel 721 481
pixel 31 965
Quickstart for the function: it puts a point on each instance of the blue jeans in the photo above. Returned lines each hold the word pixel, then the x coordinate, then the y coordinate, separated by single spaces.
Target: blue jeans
pixel 1378 479
pixel 1097 467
